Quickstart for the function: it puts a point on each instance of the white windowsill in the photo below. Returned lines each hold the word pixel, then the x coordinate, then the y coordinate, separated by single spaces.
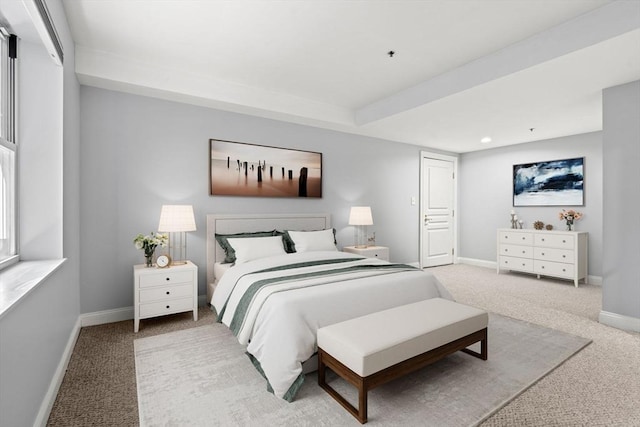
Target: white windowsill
pixel 21 278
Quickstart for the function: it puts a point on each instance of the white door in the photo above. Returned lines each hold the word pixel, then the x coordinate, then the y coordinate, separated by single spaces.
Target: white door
pixel 437 210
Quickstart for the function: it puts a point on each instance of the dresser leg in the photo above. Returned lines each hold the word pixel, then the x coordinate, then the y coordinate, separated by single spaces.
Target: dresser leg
pixel 136 325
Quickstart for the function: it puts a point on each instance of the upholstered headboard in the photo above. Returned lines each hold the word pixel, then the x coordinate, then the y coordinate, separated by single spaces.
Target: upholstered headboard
pixel 238 223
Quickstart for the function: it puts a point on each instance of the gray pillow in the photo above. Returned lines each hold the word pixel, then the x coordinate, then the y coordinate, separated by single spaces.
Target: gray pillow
pixel 289 246
pixel 230 254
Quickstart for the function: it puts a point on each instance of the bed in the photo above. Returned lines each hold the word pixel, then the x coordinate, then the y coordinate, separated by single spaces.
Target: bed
pixel 274 304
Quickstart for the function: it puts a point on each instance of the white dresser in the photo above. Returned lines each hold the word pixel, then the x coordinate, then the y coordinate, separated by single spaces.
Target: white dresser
pixel 562 254
pixel 161 291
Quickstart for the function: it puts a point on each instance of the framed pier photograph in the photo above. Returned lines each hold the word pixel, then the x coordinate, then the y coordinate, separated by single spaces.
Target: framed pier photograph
pixel 240 169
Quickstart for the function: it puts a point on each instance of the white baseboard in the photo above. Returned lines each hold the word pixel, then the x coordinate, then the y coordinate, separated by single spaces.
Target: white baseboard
pixel 106 316
pixel 595 280
pixel 477 262
pixel 50 397
pixel 619 321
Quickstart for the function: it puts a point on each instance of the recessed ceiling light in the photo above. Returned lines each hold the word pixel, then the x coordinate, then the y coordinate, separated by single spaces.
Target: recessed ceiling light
pixel 486 140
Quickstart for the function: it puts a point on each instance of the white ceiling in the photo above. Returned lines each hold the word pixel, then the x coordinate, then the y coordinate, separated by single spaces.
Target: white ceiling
pixel 462 69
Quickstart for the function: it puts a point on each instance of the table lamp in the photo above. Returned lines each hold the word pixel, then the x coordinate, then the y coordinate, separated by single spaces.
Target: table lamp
pixel 177 220
pixel 360 216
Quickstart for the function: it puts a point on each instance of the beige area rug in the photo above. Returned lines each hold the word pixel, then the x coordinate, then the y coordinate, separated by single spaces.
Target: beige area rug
pixel 201 377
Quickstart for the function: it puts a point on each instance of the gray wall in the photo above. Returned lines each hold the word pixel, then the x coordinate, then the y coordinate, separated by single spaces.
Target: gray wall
pixel 35 333
pixel 621 147
pixel 139 153
pixel 485 194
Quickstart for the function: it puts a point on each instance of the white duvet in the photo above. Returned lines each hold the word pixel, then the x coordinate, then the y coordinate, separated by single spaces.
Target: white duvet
pixel 281 323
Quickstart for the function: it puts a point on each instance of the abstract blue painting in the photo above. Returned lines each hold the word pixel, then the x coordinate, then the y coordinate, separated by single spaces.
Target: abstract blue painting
pixel 552 183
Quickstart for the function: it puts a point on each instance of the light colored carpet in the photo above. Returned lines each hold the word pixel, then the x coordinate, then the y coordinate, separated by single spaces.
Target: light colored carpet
pixel 599 386
pixel 201 377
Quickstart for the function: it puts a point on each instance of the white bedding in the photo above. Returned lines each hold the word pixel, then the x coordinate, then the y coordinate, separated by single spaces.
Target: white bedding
pixel 219 269
pixel 280 327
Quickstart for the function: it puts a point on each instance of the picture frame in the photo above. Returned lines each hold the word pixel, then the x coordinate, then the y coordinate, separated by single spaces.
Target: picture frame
pixel 549 183
pixel 251 170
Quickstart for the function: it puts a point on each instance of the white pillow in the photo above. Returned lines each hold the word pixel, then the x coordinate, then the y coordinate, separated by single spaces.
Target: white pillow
pixel 310 241
pixel 251 248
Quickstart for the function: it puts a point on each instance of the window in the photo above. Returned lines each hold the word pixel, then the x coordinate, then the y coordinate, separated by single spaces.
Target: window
pixel 8 246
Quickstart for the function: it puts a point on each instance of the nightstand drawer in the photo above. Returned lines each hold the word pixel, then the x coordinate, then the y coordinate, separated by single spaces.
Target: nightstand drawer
pixel 380 252
pixel 166 292
pixel 167 307
pixel 166 278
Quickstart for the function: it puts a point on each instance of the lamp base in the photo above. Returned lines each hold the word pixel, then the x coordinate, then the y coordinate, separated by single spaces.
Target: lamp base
pixel 360 236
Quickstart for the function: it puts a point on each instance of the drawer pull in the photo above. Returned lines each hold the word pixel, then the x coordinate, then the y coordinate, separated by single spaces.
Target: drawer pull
pixel 523 264
pixel 564 269
pixel 564 241
pixel 167 279
pixel 524 252
pixel 542 239
pixel 564 256
pixel 523 238
pixel 542 253
pixel 543 267
pixel 168 307
pixel 168 293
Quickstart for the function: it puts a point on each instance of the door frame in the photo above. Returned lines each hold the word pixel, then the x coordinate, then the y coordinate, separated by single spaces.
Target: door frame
pixel 454 159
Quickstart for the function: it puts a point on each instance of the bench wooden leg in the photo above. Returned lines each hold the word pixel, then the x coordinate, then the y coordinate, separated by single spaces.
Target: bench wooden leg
pixel 326 360
pixel 484 353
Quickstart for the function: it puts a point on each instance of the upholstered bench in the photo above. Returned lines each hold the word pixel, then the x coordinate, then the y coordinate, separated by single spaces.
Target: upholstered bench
pixel 371 350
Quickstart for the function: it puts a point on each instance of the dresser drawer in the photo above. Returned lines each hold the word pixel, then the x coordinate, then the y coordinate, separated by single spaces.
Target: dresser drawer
pixel 556 269
pixel 516 250
pixel 514 238
pixel 160 308
pixel 560 241
pixel 166 292
pixel 519 264
pixel 551 254
pixel 166 278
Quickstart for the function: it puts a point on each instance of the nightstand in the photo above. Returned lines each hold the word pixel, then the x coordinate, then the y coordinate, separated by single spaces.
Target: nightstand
pixel 381 252
pixel 161 291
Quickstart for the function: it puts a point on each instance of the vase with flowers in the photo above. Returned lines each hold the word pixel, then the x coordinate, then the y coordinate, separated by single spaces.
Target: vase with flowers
pixel 149 244
pixel 569 217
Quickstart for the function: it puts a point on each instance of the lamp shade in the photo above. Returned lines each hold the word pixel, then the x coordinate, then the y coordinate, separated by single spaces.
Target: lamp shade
pixel 176 218
pixel 360 215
